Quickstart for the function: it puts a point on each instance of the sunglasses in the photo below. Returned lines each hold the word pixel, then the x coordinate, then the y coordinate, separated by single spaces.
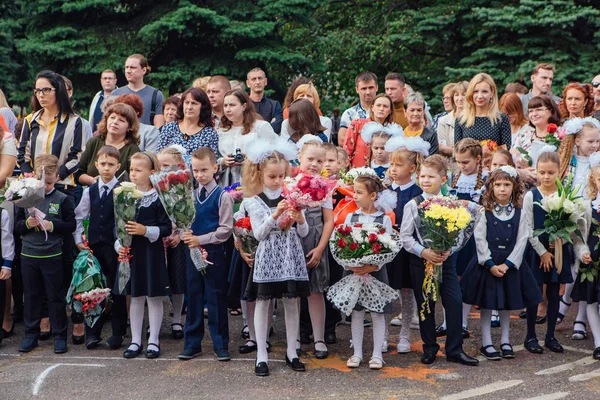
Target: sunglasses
pixel 595 84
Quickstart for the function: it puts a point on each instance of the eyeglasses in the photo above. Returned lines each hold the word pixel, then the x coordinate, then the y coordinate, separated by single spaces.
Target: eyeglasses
pixel 595 84
pixel 46 91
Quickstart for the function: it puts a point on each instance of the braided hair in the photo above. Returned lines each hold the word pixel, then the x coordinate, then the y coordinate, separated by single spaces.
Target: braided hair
pixel 475 150
pixel 372 183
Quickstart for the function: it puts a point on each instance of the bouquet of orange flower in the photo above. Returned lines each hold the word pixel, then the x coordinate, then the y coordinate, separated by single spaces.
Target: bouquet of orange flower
pixel 445 224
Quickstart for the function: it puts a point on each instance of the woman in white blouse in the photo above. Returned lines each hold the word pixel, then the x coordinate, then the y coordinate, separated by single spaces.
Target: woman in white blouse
pixel 240 126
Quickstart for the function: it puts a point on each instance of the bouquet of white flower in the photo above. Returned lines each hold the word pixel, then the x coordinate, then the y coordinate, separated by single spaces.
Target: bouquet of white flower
pixel 349 177
pixel 27 192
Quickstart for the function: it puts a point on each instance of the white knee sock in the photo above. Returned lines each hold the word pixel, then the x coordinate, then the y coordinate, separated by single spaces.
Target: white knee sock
pixel 594 321
pixel 292 325
pixel 408 310
pixel 155 317
pixel 316 309
pixel 177 301
pixel 378 333
pixel 581 313
pixel 358 331
pixel 486 327
pixel 466 310
pixel 136 320
pixel 243 306
pixel 504 326
pixel 261 328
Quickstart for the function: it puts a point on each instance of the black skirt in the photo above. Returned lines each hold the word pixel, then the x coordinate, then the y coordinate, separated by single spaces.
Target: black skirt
pixel 585 291
pixel 276 290
pixel 239 275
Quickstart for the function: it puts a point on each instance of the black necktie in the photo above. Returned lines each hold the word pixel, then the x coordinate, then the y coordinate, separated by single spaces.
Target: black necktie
pixel 105 192
pixel 203 194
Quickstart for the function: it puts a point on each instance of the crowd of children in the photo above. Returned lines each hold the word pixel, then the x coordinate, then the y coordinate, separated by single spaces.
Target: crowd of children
pixel 504 267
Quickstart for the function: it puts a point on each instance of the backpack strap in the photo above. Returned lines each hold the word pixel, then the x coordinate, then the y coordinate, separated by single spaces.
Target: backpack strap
pixel 379 219
pixel 153 106
pixel 354 218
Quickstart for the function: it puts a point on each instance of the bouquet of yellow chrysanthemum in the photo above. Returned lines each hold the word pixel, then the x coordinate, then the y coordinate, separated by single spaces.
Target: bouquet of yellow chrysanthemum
pixel 445 224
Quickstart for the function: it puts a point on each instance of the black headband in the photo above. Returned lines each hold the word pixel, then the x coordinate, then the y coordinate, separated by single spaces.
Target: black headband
pixel 149 158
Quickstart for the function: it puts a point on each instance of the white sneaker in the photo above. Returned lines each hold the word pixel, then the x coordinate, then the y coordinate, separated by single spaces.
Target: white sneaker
pixel 385 346
pixel 397 320
pixel 353 362
pixel 403 346
pixel 414 322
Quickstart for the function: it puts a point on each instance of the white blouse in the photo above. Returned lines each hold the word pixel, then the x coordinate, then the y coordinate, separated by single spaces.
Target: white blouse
pixel 483 251
pixel 582 174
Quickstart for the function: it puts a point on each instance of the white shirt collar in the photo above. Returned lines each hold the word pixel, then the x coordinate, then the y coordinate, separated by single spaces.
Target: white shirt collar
pixel 272 194
pixel 373 165
pixel 429 196
pixel 113 182
pixel 375 214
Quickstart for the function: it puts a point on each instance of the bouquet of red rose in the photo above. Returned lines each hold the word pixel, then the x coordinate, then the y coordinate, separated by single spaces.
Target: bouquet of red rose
pixel 307 191
pixel 359 245
pixel 243 231
pixel 174 187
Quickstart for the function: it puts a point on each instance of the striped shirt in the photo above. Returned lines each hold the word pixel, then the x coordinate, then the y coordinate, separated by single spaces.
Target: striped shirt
pixel 63 137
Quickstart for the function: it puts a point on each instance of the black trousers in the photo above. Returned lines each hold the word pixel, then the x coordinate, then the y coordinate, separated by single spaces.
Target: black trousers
pixel 44 275
pixel 452 301
pixel 2 304
pixel 107 257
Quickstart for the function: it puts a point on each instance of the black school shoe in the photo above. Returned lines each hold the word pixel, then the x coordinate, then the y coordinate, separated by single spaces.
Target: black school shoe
pixel 261 369
pixel 596 354
pixel 429 356
pixel 295 364
pixel 507 350
pixel 533 346
pixel 490 355
pixel 115 342
pixel 464 359
pixel 92 342
pixel 440 331
pixel 553 345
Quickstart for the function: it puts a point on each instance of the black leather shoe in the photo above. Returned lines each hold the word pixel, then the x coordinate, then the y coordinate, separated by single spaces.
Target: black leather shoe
pixel 152 353
pixel 133 353
pixel 188 354
pixel 523 315
pixel 507 350
pixel 440 331
pixel 304 338
pixel 490 355
pixel 540 320
pixel 321 354
pixel 262 369
pixel 330 338
pixel 77 340
pixel 44 335
pixel 429 356
pixel 247 348
pixel 465 333
pixel 177 334
pixel 553 345
pixel 463 359
pixel 533 346
pixel 27 345
pixel 92 342
pixel 115 342
pixel 295 364
pixel 596 355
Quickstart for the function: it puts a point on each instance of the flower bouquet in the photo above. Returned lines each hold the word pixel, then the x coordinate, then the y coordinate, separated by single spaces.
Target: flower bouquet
pixel 174 188
pixel 243 231
pixel 359 245
pixel 86 292
pixel 306 191
pixel 444 224
pixel 126 199
pixel 27 192
pixel 235 191
pixel 564 208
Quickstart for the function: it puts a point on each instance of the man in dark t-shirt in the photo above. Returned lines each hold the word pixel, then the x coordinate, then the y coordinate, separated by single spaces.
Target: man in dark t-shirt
pixel 270 110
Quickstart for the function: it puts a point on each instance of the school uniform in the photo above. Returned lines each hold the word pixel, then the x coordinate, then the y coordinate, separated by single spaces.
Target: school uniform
pixel 501 238
pixel 239 271
pixel 97 203
pixel 7 250
pixel 213 225
pixel 465 190
pixel 42 264
pixel 587 291
pixel 380 170
pixel 449 287
pixel 398 270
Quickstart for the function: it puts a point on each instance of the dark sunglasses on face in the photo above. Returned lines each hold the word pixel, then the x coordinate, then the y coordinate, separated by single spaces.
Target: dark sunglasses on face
pixel 595 84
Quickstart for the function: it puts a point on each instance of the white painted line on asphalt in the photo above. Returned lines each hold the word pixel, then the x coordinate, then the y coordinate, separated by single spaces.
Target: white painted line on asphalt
pixel 577 350
pixel 480 391
pixel 568 366
pixel 40 379
pixel 585 377
pixel 551 396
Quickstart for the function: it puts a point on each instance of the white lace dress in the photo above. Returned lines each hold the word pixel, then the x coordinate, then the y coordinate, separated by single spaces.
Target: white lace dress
pixel 279 265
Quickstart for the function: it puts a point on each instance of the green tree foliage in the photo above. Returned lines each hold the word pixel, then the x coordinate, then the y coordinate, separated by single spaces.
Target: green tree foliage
pixel 432 42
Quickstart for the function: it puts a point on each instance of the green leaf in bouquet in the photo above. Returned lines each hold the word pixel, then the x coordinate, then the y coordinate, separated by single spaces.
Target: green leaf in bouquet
pixel 539 232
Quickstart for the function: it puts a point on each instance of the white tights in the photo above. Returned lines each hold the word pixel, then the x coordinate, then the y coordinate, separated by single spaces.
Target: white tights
pixel 155 317
pixel 358 331
pixel 261 327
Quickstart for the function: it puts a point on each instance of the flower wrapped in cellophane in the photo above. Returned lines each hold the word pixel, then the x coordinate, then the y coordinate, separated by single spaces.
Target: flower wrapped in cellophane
pixel 243 231
pixel 27 192
pixel 359 245
pixel 87 293
pixel 126 199
pixel 445 225
pixel 307 191
pixel 175 190
pixel 564 209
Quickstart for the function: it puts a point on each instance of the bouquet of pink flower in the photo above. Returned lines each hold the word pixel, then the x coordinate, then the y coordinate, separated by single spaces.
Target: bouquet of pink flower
pixel 91 304
pixel 306 191
pixel 235 191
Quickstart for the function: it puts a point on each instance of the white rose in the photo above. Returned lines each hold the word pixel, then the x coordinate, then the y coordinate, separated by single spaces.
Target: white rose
pixel 127 186
pixel 568 206
pixel 580 206
pixel 553 203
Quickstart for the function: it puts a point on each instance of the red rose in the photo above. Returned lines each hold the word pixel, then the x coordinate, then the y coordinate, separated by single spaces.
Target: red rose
pixel 376 248
pixel 372 238
pixel 551 128
pixel 358 225
pixel 182 177
pixel 341 230
pixel 161 186
pixel 353 246
pixel 342 243
pixel 348 230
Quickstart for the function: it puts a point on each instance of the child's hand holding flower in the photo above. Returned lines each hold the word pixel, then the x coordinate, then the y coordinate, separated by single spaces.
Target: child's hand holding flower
pixel 297 216
pixel 133 228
